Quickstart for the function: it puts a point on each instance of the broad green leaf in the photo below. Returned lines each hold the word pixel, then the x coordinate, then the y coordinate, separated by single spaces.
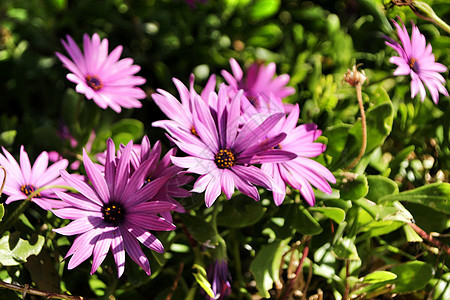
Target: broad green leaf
pixel 396 212
pixel 345 249
pixel 441 287
pixel 266 36
pixel 334 213
pixel 21 251
pixel 266 265
pixel 240 211
pixel 379 276
pixel 200 230
pixel 133 127
pixel 380 186
pixel 412 276
pixel 304 222
pixel 200 277
pixel 97 286
pixel 380 228
pixel 264 9
pixel 435 196
pixel 352 188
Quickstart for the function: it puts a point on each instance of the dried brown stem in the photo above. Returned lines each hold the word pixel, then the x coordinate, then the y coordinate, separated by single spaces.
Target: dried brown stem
pixel 27 290
pixel 363 128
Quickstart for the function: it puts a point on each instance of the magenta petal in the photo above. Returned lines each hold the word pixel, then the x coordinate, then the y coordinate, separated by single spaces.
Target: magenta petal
pixel 101 249
pixel 96 178
pixel 146 238
pixel 134 250
pixel 85 249
pixel 118 250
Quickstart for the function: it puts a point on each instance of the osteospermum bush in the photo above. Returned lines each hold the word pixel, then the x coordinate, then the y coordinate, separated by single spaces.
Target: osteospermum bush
pixel 224 150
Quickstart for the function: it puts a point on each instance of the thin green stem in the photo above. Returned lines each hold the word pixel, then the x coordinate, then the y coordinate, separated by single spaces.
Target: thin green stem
pixel 12 219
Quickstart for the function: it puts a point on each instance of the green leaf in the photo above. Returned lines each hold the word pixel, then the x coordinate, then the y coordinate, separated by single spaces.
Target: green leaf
pixel 2 212
pixel 266 265
pixel 345 249
pixel 134 128
pixel 352 188
pixel 411 234
pixel 21 250
pixel 379 276
pixel 264 9
pixel 200 230
pixel 334 213
pixel 435 196
pixel 380 186
pixel 7 137
pixel 380 228
pixel 304 222
pixel 412 276
pixel 200 277
pixel 266 36
pixel 240 211
pixel 382 212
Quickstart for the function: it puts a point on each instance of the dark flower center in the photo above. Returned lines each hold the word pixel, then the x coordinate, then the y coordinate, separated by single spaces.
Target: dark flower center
pixel 413 64
pixel 94 82
pixel 113 213
pixel 147 180
pixel 277 147
pixel 224 159
pixel 28 189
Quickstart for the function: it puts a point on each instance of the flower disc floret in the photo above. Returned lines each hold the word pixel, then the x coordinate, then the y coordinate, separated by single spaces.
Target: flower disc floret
pixel 224 159
pixel 29 189
pixel 113 213
pixel 94 82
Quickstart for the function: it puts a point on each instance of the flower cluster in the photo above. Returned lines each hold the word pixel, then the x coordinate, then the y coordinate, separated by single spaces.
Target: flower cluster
pixel 240 137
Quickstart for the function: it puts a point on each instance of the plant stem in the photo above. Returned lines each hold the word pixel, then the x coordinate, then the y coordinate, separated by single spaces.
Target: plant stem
pixel 291 282
pixel 4 226
pixel 363 128
pixel 430 239
pixel 347 274
pixel 4 180
pixel 49 295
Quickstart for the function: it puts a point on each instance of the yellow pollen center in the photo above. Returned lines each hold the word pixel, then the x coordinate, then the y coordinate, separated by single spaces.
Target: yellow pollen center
pixel 29 189
pixel 224 159
pixel 113 213
pixel 94 82
pixel 193 131
pixel 412 62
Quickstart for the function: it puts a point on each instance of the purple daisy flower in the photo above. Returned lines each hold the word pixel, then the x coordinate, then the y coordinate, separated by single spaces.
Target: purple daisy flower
pixel 258 83
pixel 180 114
pixel 220 279
pixel 23 180
pixel 102 77
pixel 114 212
pixel 225 156
pixel 301 172
pixel 417 60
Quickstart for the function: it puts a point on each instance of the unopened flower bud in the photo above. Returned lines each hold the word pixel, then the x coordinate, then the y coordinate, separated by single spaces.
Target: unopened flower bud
pixel 354 77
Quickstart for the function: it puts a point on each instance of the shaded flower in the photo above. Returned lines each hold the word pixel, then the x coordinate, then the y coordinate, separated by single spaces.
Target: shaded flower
pixel 220 279
pixel 115 212
pixel 102 77
pixel 23 180
pixel 417 60
pixel 301 172
pixel 223 155
pixel 180 114
pixel 258 83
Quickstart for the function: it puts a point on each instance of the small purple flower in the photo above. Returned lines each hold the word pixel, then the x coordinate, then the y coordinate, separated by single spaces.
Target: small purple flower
pixel 102 76
pixel 417 60
pixel 115 212
pixel 220 279
pixel 301 172
pixel 259 82
pixel 23 180
pixel 223 153
pixel 180 114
